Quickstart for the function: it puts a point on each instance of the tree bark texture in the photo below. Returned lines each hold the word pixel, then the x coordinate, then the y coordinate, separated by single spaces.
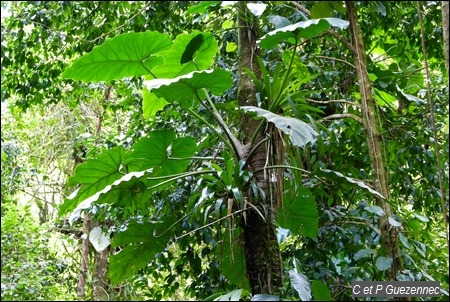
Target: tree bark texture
pixel 445 25
pixel 100 282
pixel 389 234
pixel 262 252
pixel 81 287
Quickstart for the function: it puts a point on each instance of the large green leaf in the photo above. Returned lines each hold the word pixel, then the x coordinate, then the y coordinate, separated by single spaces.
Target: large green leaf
pixel 191 48
pixel 146 239
pixel 383 98
pixel 300 212
pixel 144 233
pixel 151 103
pixel 93 176
pixel 200 56
pixel 265 297
pixel 126 55
pixel 304 29
pixel 119 185
pixel 299 132
pixel 182 89
pixel 161 150
pixel 132 194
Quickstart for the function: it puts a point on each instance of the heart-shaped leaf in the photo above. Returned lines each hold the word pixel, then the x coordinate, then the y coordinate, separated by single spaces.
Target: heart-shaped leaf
pixel 126 55
pixel 86 203
pixel 191 48
pixel 156 151
pixel 93 176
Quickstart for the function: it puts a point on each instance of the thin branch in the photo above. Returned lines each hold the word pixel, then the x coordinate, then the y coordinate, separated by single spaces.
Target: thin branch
pixel 354 220
pixel 197 157
pixel 341 39
pixel 282 166
pixel 342 115
pixel 290 167
pixel 173 177
pixel 336 59
pixel 211 223
pixel 301 8
pixel 332 101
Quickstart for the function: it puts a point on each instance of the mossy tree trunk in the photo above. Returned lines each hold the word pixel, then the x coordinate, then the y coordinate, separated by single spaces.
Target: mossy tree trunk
pixel 262 252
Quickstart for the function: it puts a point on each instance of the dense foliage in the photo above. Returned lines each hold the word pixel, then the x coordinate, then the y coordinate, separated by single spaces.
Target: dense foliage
pixel 128 111
pixel 31 267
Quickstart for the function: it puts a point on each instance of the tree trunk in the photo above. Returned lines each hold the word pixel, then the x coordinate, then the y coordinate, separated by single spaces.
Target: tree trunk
pixel 445 25
pixel 100 282
pixel 262 252
pixel 81 287
pixel 389 235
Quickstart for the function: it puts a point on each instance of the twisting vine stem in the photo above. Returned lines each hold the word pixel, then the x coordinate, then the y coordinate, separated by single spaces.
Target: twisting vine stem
pixel 433 124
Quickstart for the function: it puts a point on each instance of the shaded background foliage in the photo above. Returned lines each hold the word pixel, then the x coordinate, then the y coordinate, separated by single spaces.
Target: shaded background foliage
pixel 39 39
